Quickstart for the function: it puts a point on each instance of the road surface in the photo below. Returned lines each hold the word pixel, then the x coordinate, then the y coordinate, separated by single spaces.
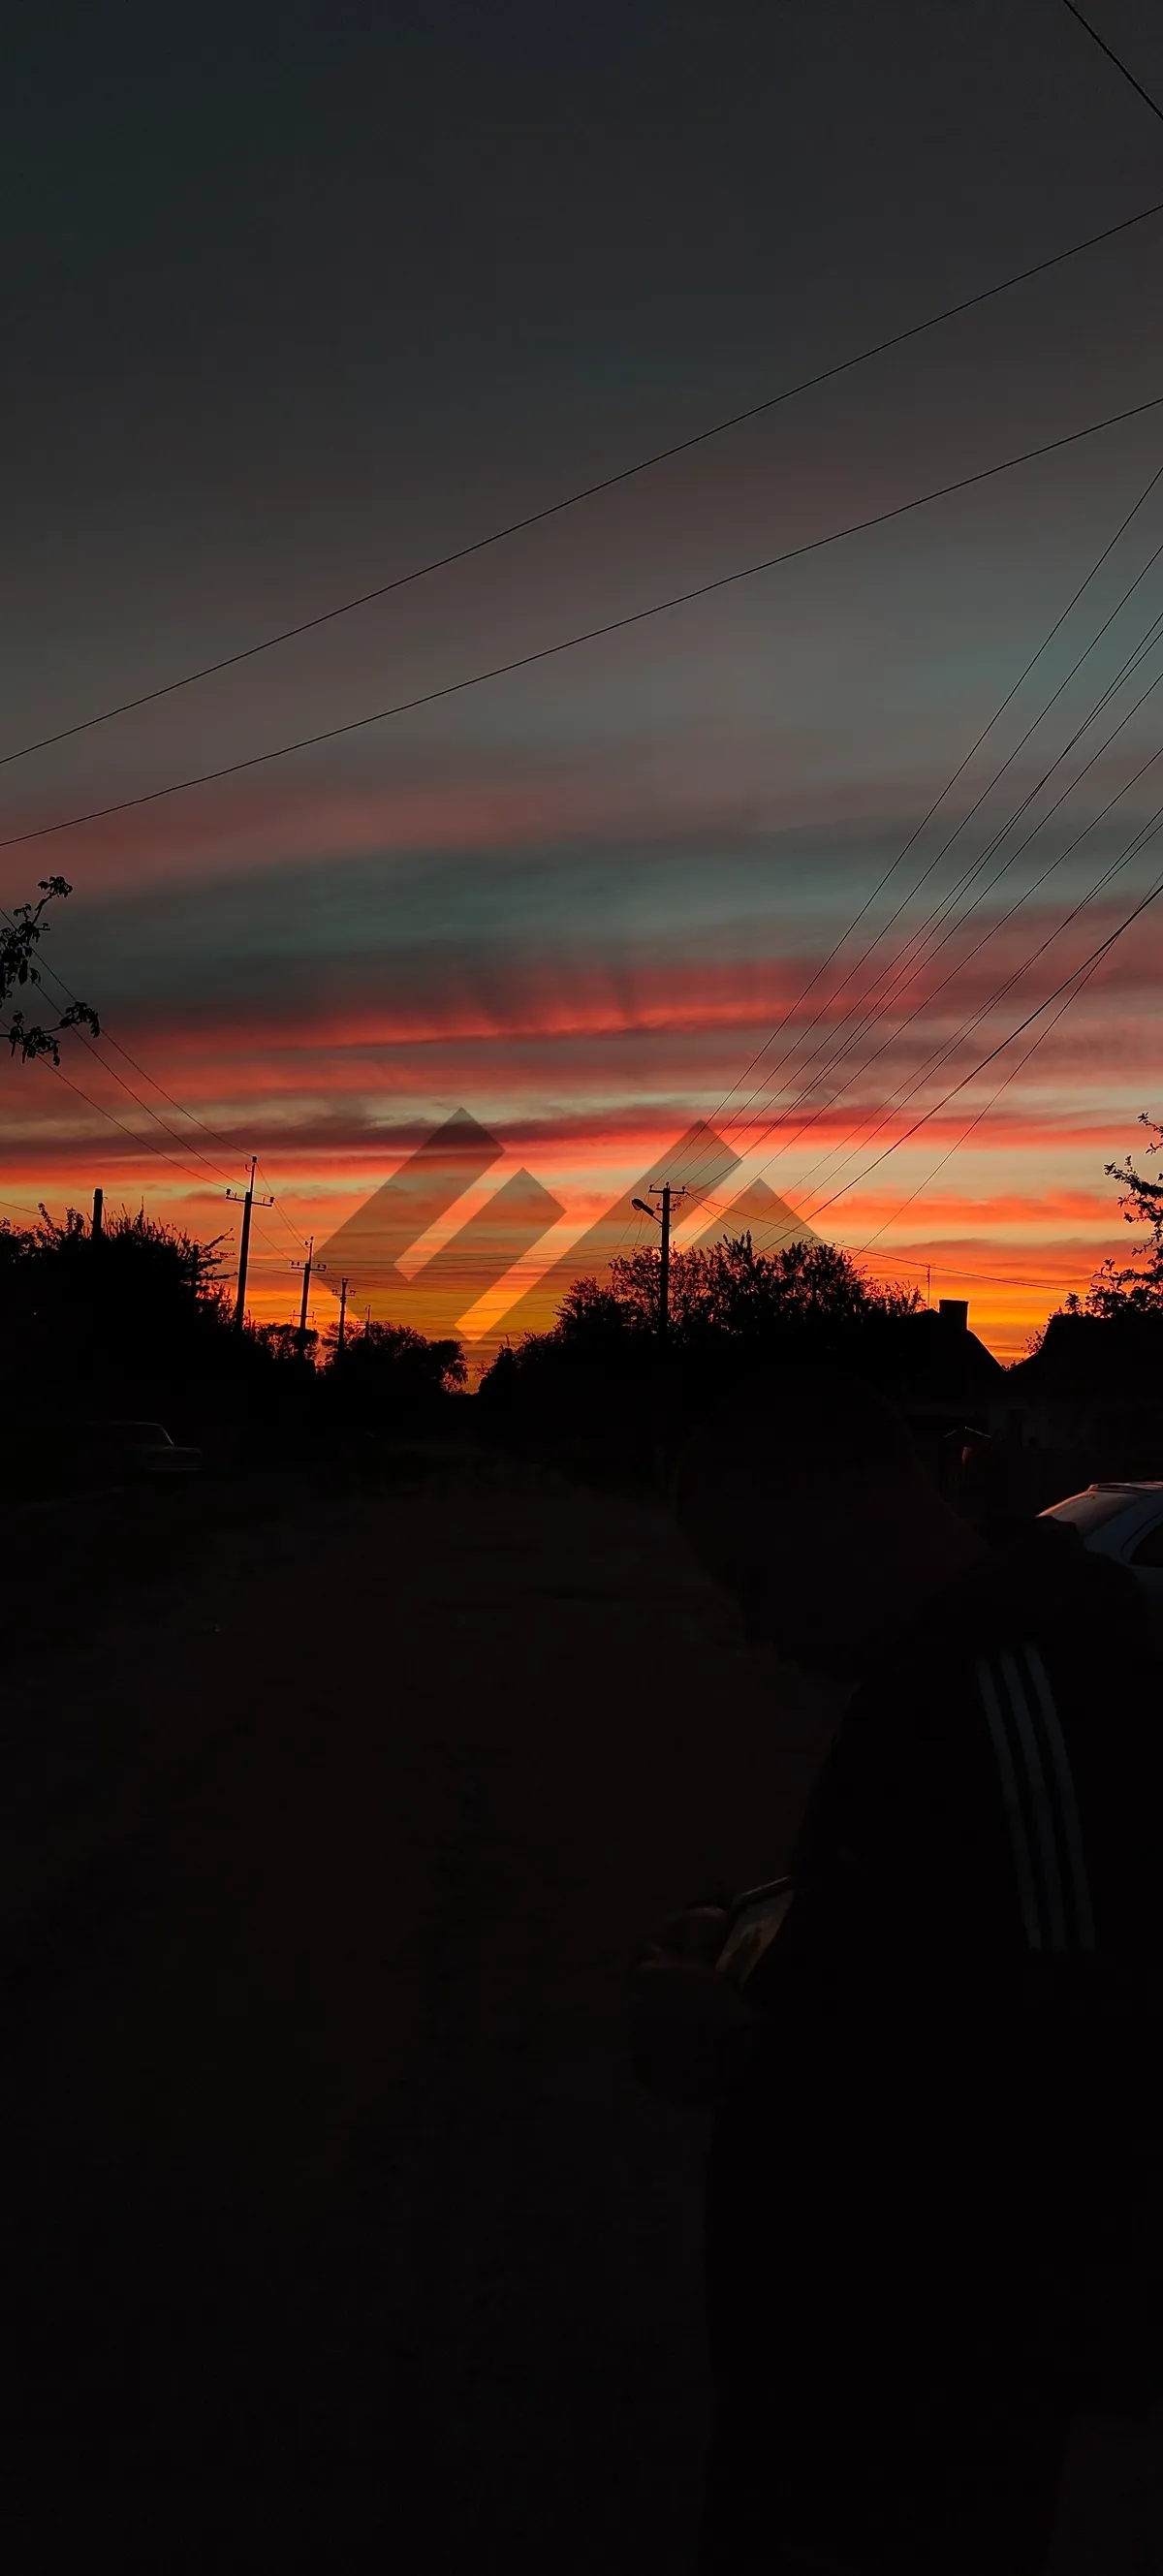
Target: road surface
pixel 339 2237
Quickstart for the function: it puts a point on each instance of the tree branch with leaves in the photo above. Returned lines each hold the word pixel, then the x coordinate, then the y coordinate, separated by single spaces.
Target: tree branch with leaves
pixel 20 937
pixel 1137 1288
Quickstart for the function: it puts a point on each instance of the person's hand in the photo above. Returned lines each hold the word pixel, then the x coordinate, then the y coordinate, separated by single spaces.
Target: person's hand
pixel 681 2010
pixel 696 1935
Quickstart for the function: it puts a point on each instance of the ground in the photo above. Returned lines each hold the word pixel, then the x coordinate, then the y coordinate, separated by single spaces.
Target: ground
pixel 340 2237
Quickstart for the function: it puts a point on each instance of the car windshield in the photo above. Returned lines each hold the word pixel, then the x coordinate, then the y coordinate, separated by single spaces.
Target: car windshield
pixel 1089 1511
pixel 143 1435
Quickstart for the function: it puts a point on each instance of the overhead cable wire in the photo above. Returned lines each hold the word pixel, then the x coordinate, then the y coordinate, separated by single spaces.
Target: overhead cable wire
pixel 159 1087
pixel 802 1035
pixel 54 976
pixel 941 1270
pixel 1116 59
pixel 683 1164
pixel 950 783
pixel 883 1001
pixel 586 635
pixel 859 1139
pixel 1083 971
pixel 876 1000
pixel 889 1261
pixel 590 491
pixel 917 1079
pixel 920 1269
pixel 145 1144
pixel 57 978
pixel 192 1150
pixel 279 1209
pixel 976 1120
pixel 46 971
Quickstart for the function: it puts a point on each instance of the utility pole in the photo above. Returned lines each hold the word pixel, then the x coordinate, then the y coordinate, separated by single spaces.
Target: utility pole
pixel 670 1198
pixel 98 1214
pixel 306 1267
pixel 248 1201
pixel 342 1314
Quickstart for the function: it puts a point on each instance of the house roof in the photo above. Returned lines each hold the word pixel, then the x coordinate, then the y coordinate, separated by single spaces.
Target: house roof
pixel 947 1363
pixel 1087 1355
pixel 933 1361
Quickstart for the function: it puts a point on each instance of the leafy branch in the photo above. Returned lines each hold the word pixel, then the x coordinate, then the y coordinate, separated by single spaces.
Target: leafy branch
pixel 19 940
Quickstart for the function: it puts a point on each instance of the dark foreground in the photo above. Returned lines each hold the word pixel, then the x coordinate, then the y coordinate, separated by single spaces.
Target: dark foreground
pixel 338 2237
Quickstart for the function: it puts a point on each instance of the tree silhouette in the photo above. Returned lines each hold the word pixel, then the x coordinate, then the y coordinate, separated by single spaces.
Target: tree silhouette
pixel 19 941
pixel 1115 1292
pixel 127 1320
pixel 600 1373
pixel 731 1288
pixel 387 1375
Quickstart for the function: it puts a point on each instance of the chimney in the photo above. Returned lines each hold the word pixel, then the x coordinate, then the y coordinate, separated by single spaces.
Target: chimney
pixel 954 1311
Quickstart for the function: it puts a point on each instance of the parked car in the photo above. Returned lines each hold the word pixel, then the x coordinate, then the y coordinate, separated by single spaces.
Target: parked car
pixel 119 1450
pixel 1124 1521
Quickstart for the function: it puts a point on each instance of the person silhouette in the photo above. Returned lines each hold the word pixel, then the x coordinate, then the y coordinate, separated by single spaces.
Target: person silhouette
pixel 936 2153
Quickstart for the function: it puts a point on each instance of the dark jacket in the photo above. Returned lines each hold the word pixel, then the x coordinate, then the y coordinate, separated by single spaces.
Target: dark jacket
pixel 934 2168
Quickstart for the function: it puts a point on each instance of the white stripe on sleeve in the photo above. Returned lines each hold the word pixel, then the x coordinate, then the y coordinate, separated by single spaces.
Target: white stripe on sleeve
pixel 1011 1799
pixel 1071 1822
pixel 1044 1819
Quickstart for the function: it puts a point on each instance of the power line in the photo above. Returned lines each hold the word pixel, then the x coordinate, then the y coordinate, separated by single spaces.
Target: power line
pixel 151 1112
pixel 1116 59
pixel 143 1143
pixel 159 1087
pixel 894 990
pixel 589 634
pixel 901 1262
pixel 167 1130
pixel 683 1163
pixel 941 1054
pixel 589 491
pixel 976 1120
pixel 45 969
pixel 941 1270
pixel 148 1141
pixel 150 1144
pixel 1083 972
pixel 1139 841
pixel 279 1209
pixel 947 844
pixel 276 1249
pixel 897 983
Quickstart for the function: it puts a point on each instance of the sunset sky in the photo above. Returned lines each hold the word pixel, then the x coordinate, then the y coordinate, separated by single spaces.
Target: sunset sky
pixel 306 297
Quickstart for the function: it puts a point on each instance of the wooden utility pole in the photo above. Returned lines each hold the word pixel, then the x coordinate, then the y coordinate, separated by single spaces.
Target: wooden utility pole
pixel 248 1201
pixel 342 1314
pixel 670 1197
pixel 98 1214
pixel 664 1266
pixel 306 1267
